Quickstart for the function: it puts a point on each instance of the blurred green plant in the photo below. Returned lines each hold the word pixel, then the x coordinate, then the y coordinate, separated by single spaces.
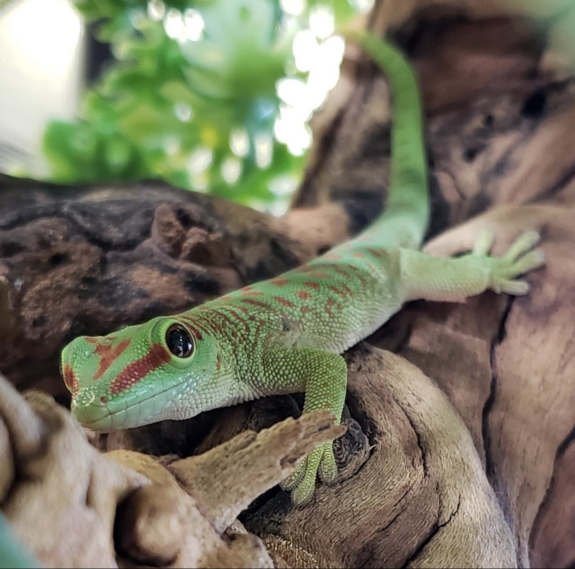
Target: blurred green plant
pixel 192 96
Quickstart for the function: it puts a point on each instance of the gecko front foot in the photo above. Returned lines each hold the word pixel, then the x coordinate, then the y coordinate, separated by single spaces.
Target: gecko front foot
pixel 302 482
pixel 519 259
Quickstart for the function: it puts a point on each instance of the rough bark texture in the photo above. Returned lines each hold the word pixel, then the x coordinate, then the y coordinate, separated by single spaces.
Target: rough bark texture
pixel 459 442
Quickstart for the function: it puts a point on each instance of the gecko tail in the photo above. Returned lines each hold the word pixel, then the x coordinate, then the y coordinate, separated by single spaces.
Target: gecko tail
pixel 406 217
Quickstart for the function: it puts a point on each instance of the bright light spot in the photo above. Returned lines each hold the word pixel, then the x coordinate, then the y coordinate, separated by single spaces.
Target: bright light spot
pixel 293 7
pixel 303 98
pixel 183 112
pixel 362 6
pixel 283 185
pixel 292 131
pixel 325 71
pixel 174 24
pixel 156 10
pixel 321 21
pixel 292 91
pixel 200 182
pixel 194 24
pixel 231 170
pixel 239 142
pixel 37 21
pixel 264 150
pixel 304 48
pixel 137 18
pixel 200 160
pixel 278 207
pixel 171 145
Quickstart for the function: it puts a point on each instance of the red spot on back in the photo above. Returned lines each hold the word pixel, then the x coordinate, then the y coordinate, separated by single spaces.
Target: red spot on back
pixel 70 380
pixel 91 340
pixel 328 306
pixel 379 253
pixel 108 354
pixel 279 282
pixel 135 371
pixel 303 294
pixel 244 292
pixel 358 255
pixel 311 284
pixel 284 301
pixel 256 303
pixel 319 275
pixel 304 309
pixel 340 271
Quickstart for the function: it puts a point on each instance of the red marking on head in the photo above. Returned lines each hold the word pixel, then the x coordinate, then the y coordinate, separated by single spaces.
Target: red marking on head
pixel 358 255
pixel 108 354
pixel 70 380
pixel 304 309
pixel 303 294
pixel 279 282
pixel 91 340
pixel 135 371
pixel 192 327
pixel 284 301
pixel 257 303
pixel 311 284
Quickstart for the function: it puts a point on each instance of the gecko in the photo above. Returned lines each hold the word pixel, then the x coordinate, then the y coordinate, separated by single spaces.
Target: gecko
pixel 287 334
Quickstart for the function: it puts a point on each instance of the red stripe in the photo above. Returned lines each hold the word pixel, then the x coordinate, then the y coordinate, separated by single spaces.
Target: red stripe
pixel 284 301
pixel 134 372
pixel 108 355
pixel 70 380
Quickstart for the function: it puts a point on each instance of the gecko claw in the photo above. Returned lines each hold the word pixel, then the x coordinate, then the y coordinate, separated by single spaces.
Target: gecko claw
pixel 302 482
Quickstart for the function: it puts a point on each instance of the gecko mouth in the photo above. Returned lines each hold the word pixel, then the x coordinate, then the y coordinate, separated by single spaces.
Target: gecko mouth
pixel 98 416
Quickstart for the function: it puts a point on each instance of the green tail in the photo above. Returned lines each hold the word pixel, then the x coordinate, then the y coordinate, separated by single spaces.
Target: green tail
pixel 405 219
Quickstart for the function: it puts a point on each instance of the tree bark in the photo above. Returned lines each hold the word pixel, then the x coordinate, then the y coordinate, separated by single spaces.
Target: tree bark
pixel 459 444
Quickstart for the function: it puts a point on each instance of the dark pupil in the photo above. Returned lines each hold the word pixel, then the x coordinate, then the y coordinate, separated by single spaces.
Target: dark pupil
pixel 179 341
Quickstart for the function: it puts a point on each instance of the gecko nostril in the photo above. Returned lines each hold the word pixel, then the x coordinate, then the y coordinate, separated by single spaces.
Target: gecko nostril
pixel 104 399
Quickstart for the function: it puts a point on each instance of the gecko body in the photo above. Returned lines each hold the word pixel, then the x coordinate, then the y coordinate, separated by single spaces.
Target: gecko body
pixel 286 334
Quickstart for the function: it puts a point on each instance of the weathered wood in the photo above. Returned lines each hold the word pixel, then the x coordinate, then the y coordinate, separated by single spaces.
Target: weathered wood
pixel 465 461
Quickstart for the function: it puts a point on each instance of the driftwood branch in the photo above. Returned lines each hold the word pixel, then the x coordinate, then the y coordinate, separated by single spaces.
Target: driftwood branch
pixel 458 447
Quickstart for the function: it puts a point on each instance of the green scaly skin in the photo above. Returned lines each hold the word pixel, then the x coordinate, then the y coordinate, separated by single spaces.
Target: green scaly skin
pixel 286 334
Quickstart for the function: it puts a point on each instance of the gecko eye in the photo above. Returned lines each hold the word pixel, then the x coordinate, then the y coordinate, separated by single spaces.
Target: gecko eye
pixel 179 341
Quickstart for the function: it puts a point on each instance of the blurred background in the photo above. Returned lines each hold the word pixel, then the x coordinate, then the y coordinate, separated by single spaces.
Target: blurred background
pixel 209 95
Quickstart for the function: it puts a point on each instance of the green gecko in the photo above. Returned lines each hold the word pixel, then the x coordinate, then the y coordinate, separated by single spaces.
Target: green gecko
pixel 287 334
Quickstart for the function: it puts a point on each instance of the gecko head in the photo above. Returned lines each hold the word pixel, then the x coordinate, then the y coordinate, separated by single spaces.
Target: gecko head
pixel 139 375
